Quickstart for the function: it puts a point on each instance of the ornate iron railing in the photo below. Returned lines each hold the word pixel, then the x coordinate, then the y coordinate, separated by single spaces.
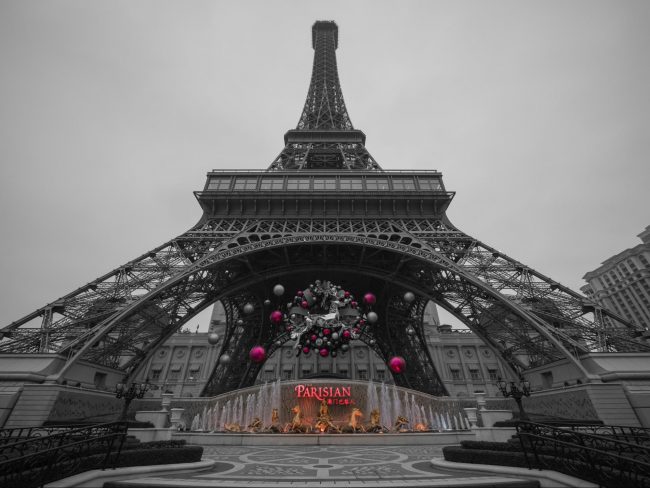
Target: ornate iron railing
pixel 32 457
pixel 635 435
pixel 609 460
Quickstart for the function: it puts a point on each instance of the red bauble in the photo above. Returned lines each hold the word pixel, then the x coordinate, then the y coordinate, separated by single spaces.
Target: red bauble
pixel 314 337
pixel 346 334
pixel 369 298
pixel 306 350
pixel 304 304
pixel 354 304
pixel 324 352
pixel 257 354
pixel 397 364
pixel 326 332
pixel 275 317
pixel 299 293
pixel 346 294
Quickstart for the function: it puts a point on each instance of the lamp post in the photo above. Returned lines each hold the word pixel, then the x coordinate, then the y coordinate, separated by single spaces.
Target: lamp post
pixel 511 389
pixel 129 392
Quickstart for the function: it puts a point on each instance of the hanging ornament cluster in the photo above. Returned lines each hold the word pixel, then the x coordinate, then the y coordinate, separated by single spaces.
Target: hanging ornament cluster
pixel 324 318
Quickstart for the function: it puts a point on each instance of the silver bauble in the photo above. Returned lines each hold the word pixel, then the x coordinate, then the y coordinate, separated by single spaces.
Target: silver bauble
pixel 267 302
pixel 240 322
pixel 372 342
pixel 372 317
pixel 335 336
pixel 213 338
pixel 278 343
pixel 249 308
pixel 319 342
pixel 409 296
pixel 410 331
pixel 345 347
pixel 224 359
pixel 278 290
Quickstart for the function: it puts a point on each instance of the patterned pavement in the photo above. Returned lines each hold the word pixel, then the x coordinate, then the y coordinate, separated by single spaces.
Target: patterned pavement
pixel 324 466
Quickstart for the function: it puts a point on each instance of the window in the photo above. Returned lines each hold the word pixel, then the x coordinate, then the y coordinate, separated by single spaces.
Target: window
pixel 475 374
pixel 429 184
pixel 376 184
pixel 219 183
pixel 403 184
pixel 272 184
pixel 100 380
pixel 155 374
pixel 287 374
pixel 245 184
pixel 362 374
pixel 343 372
pixel 298 184
pixel 493 374
pixel 174 372
pixel 381 374
pixel 455 374
pixel 324 184
pixel 351 184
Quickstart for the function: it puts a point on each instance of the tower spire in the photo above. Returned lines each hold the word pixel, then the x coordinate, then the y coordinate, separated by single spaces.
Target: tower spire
pixel 324 137
pixel 324 108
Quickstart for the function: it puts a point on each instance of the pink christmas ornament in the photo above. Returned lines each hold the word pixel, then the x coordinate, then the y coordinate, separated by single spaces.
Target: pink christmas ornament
pixel 346 334
pixel 257 354
pixel 314 337
pixel 369 298
pixel 346 294
pixel 354 304
pixel 299 293
pixel 304 304
pixel 397 364
pixel 306 350
pixel 275 317
pixel 324 352
pixel 326 332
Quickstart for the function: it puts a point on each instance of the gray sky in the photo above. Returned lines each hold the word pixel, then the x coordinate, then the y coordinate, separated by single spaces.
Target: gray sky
pixel 111 113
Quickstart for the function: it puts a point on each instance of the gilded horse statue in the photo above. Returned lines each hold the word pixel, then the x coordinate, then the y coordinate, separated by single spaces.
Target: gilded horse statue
pixel 255 425
pixel 354 425
pixel 401 424
pixel 297 424
pixel 375 423
pixel 275 427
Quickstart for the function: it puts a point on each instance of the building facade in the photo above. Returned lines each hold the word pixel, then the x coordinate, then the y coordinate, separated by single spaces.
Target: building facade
pixel 622 282
pixel 183 364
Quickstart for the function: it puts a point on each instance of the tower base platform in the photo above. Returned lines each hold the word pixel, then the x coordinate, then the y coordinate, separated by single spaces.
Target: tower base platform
pixel 402 439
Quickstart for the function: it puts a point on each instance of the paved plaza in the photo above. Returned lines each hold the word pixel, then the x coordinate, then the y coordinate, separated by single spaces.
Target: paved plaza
pixel 325 466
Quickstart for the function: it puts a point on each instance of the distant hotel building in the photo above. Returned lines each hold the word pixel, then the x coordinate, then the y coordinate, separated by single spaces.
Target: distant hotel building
pixel 622 282
pixel 183 364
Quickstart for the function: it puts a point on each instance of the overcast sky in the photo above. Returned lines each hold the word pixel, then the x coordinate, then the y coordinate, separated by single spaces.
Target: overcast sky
pixel 111 113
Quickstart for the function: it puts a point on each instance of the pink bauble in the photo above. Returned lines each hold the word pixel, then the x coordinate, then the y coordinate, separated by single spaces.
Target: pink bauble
pixel 354 304
pixel 313 337
pixel 299 293
pixel 326 332
pixel 257 354
pixel 306 350
pixel 369 299
pixel 304 304
pixel 324 352
pixel 346 334
pixel 362 322
pixel 275 317
pixel 397 364
pixel 346 294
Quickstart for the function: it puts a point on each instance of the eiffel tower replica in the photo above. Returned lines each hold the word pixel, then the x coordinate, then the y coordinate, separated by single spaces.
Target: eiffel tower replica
pixel 324 209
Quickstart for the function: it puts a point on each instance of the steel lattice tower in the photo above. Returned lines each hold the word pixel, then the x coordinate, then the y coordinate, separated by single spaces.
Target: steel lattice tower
pixel 324 207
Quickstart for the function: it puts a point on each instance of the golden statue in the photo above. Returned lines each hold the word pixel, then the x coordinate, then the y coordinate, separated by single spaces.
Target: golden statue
pixel 324 421
pixel 354 425
pixel 401 424
pixel 375 422
pixel 275 422
pixel 297 424
pixel 255 425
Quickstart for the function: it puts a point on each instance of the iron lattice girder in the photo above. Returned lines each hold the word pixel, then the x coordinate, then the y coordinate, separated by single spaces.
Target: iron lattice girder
pixel 187 274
